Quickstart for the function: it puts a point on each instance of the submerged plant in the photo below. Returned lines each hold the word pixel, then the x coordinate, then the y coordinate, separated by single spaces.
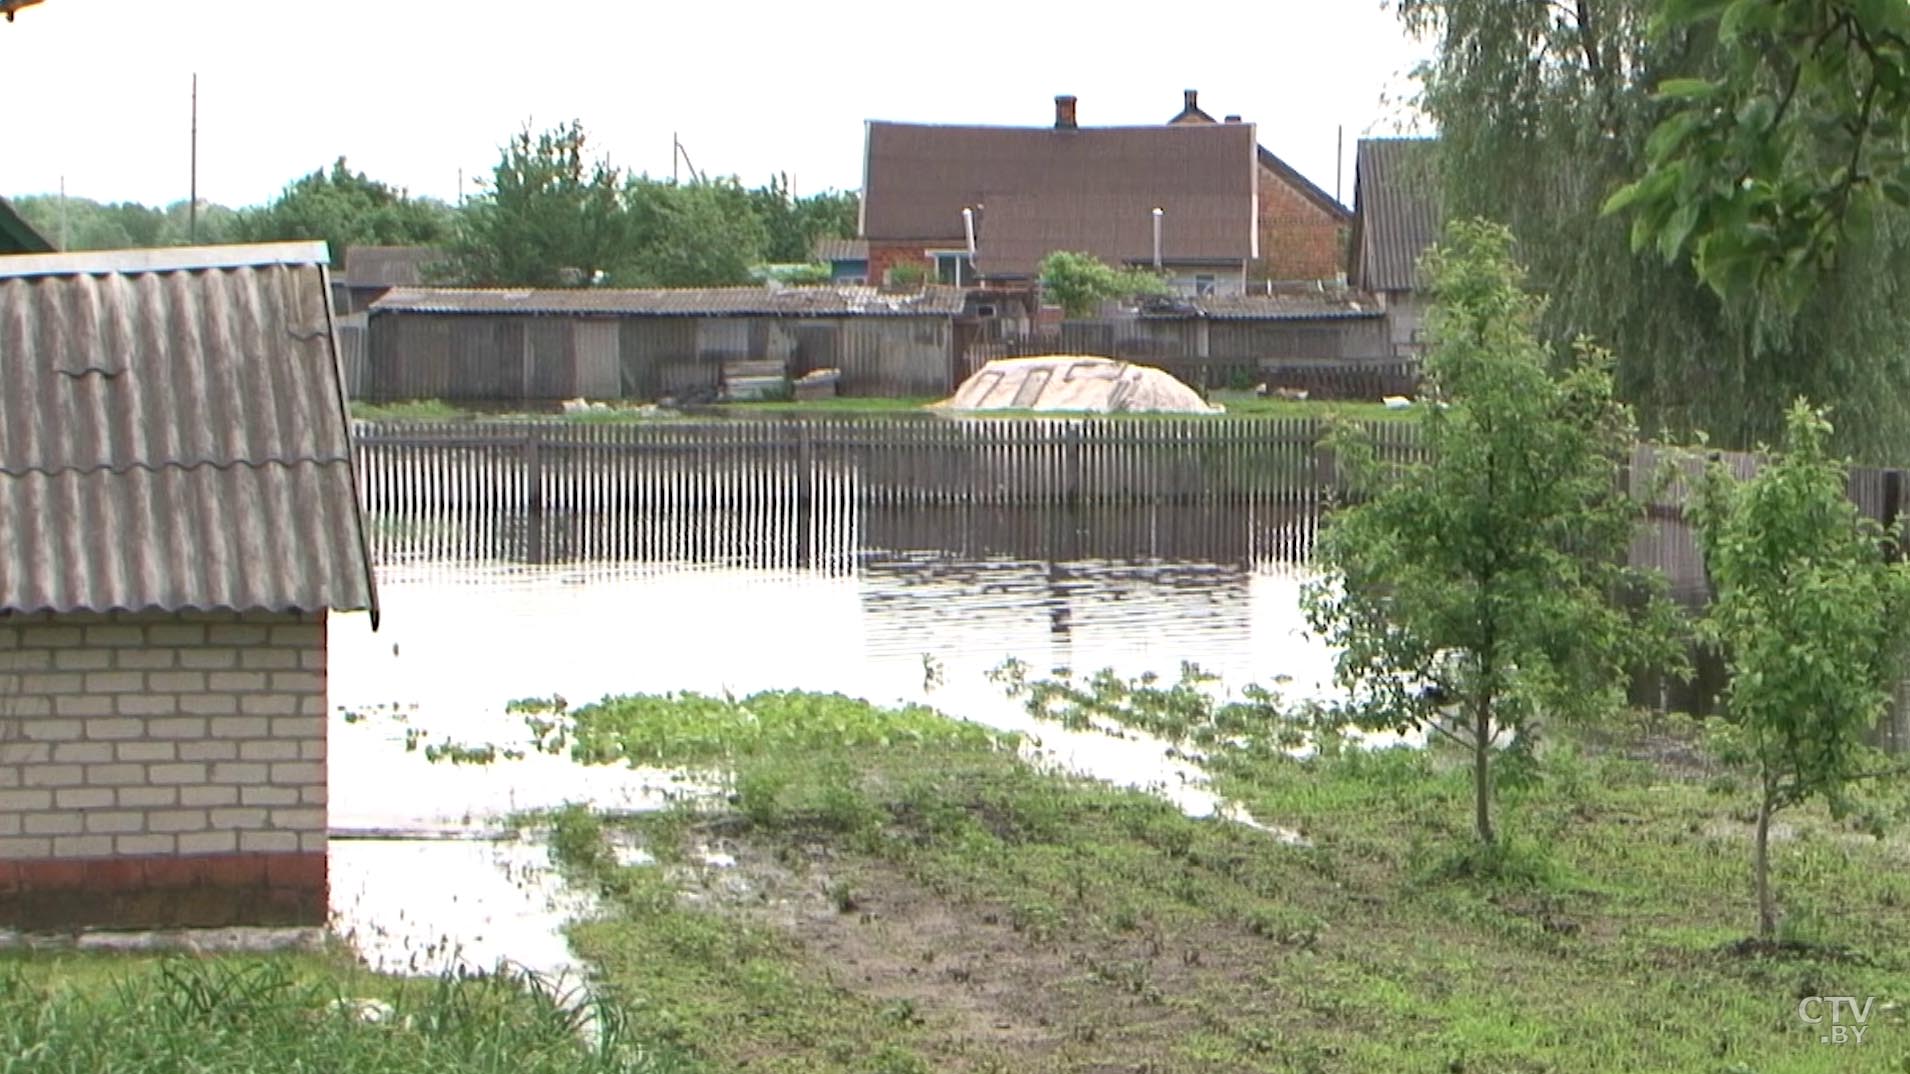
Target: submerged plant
pixel 1190 711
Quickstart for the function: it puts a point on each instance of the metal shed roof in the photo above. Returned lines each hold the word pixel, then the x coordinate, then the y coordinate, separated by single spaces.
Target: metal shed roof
pixel 683 302
pixel 389 266
pixel 1396 211
pixel 1279 306
pixel 173 435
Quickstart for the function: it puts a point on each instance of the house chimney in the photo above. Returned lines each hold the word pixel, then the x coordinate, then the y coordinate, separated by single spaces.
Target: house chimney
pixel 1064 113
pixel 1191 99
pixel 1233 119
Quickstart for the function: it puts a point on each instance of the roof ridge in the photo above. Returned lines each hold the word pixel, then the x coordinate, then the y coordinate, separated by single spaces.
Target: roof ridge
pixel 284 461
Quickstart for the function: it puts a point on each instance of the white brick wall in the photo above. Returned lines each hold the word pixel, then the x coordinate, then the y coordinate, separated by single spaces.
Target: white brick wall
pixel 161 734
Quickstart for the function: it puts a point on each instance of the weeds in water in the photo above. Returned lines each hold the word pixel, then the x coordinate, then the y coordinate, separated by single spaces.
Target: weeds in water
pixel 1192 711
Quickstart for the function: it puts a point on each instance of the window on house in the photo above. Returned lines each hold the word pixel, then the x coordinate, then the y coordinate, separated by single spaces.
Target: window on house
pixel 1203 285
pixel 953 267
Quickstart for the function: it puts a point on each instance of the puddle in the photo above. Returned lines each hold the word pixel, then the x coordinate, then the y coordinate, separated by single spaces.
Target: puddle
pixel 458 643
pixel 431 906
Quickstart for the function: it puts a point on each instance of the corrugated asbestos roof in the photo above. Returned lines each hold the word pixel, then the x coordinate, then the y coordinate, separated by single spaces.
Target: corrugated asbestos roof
pixel 1396 211
pixel 389 266
pixel 173 434
pixel 1282 306
pixel 842 250
pixel 686 302
pixel 1040 189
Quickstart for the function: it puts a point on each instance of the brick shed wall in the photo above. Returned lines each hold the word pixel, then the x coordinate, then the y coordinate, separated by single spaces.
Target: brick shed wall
pixel 1298 239
pixel 884 256
pixel 161 769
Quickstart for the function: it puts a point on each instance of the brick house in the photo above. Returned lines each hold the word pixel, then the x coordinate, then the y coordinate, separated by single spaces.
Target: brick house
pixel 180 512
pixel 1397 215
pixel 1025 192
pixel 1303 229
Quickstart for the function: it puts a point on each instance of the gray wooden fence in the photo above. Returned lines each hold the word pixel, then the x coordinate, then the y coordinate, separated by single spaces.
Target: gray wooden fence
pixel 560 491
pixel 539 491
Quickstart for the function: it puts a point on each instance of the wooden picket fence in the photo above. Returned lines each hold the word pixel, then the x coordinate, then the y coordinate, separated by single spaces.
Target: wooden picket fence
pixel 798 490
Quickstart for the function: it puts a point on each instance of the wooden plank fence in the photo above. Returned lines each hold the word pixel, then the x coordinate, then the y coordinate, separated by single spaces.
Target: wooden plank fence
pixel 540 491
pixel 796 490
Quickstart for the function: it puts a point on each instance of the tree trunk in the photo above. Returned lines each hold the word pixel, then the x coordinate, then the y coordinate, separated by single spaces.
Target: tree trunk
pixel 1766 908
pixel 1482 770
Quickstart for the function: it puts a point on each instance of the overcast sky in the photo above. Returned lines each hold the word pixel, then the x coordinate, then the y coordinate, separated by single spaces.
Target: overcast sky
pixel 412 91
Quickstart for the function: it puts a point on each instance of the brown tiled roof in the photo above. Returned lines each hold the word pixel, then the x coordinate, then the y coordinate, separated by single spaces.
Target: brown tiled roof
pixel 1022 229
pixel 681 302
pixel 173 434
pixel 1192 113
pixel 1396 211
pixel 1085 189
pixel 389 266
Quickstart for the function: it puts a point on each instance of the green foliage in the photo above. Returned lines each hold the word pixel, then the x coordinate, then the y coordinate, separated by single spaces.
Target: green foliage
pixel 1188 711
pixel 792 224
pixel 1812 622
pixel 91 225
pixel 345 208
pixel 186 1016
pixel 1079 283
pixel 696 730
pixel 554 214
pixel 805 275
pixel 706 234
pixel 1757 172
pixel 907 275
pixel 1485 578
pixel 1543 110
pixel 551 216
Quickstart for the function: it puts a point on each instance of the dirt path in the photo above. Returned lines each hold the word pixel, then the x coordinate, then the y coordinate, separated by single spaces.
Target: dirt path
pixel 991 990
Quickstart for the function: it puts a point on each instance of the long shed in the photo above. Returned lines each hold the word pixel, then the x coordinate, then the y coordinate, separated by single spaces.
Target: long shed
pixel 528 346
pixel 180 513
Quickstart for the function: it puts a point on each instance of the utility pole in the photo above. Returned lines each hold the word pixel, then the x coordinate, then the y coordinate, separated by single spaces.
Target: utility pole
pixel 192 206
pixel 1339 164
pixel 63 212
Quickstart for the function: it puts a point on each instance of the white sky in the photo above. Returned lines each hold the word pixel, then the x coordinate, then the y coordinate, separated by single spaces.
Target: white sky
pixel 411 91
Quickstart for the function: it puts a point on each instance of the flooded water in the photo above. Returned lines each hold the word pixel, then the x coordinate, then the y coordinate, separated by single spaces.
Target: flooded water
pixel 418 885
pixel 896 568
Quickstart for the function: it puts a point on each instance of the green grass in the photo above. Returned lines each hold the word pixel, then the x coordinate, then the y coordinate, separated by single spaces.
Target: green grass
pixel 82 1014
pixel 410 410
pixel 1102 927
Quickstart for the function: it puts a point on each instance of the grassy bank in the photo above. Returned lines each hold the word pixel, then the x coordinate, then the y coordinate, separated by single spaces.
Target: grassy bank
pixel 235 1014
pixel 1238 404
pixel 918 899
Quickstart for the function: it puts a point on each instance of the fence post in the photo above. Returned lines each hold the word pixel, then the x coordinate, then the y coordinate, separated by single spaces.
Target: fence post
pixel 805 496
pixel 1076 432
pixel 534 491
pixel 1892 508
